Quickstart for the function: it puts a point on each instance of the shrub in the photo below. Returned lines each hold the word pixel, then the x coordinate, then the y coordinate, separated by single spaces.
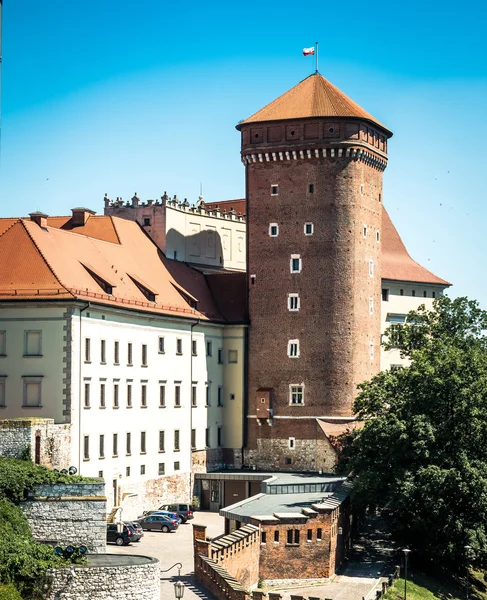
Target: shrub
pixel 9 592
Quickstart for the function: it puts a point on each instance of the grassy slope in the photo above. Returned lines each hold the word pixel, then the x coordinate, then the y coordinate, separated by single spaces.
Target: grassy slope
pixel 426 587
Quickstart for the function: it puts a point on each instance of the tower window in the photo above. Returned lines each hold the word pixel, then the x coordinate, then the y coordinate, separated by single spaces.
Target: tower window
pixel 362 189
pixel 385 295
pixel 295 263
pixel 146 221
pixel 274 190
pixel 292 443
pixel 293 302
pixel 273 229
pixel 252 279
pixel 365 231
pixel 377 236
pixel 371 267
pixel 371 306
pixel 311 188
pixel 293 349
pixel 296 394
pixel 308 229
pixel 380 198
pixel 371 350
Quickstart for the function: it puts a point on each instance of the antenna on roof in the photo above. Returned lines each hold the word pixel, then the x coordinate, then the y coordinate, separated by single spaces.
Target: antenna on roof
pixel 316 55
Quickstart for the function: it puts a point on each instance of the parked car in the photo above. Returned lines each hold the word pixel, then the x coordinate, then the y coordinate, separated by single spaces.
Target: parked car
pixel 184 511
pixel 167 513
pixel 137 528
pixel 158 522
pixel 121 538
pixel 134 534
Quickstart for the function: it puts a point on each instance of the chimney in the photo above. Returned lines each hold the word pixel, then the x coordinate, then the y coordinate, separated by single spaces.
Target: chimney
pixel 80 216
pixel 39 218
pixel 135 200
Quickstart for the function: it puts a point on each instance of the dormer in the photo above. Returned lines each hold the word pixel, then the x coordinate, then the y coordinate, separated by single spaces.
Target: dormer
pixel 80 215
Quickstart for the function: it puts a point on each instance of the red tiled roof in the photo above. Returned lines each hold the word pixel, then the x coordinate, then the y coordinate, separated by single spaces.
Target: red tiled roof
pixel 396 264
pixel 239 206
pixel 312 97
pixel 45 262
pixel 332 428
pixel 100 227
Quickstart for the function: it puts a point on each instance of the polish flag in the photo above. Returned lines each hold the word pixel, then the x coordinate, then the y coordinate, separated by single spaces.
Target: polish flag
pixel 308 51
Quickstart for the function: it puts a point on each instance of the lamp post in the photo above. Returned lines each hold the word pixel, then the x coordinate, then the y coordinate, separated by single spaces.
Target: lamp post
pixel 467 552
pixel 406 553
pixel 179 585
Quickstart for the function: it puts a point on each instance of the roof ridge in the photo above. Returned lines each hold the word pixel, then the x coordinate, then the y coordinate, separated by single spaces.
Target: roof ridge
pixel 114 227
pixel 43 257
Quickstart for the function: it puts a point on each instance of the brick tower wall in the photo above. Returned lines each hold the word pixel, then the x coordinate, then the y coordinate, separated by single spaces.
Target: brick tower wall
pixel 339 286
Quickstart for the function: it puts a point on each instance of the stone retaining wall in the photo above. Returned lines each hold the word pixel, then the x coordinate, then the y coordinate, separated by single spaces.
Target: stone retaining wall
pixel 63 514
pixel 114 578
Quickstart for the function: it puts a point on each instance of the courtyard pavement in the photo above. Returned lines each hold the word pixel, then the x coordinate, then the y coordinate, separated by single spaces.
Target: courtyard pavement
pixel 371 558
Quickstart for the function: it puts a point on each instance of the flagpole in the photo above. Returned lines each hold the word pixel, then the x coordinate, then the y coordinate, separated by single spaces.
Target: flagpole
pixel 316 52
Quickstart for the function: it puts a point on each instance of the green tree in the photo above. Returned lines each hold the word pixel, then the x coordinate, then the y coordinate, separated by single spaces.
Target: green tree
pixel 422 453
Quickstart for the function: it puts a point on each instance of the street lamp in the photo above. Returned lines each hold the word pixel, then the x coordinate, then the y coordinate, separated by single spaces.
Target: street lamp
pixel 178 586
pixel 467 552
pixel 406 552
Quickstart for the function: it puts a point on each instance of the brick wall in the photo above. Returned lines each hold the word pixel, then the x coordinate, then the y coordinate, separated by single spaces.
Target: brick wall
pixel 65 514
pixel 53 441
pixel 218 581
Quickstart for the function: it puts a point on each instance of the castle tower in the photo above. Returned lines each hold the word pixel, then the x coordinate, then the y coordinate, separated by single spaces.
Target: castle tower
pixel 314 161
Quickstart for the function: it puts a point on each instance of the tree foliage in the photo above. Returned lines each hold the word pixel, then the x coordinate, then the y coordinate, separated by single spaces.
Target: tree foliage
pixel 422 453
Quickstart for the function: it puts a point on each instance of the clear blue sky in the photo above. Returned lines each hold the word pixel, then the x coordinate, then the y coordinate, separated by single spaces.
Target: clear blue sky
pixel 111 96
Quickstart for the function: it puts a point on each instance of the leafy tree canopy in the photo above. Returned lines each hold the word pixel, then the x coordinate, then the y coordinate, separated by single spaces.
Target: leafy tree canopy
pixel 422 453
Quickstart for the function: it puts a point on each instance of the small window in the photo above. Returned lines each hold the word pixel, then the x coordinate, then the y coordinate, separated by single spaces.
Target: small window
pixel 100 474
pixel 143 395
pixel 425 294
pixel 176 440
pixel 144 355
pixel 290 536
pixel 371 267
pixel 102 446
pixel 208 394
pixel 371 349
pixel 385 295
pixel 362 189
pixel 220 395
pixel 129 395
pixel 433 294
pixel 377 236
pixel 128 442
pixel 371 306
pixel 413 293
pixel 87 395
pixel 252 280
pixel 177 395
pixel 161 345
pixel 162 441
pixel 162 395
pixel 288 460
pixel 32 392
pixel 176 466
pixel 33 343
pixel 142 469
pixel 193 439
pixel 319 534
pixel 219 436
pixel 293 348
pixel 311 188
pixel 220 356
pixel 233 356
pixel 207 437
pixel 143 442
pixel 194 395
pixel 3 343
pixel 276 536
pixel 309 535
pixel 380 198
pixel 129 354
pixel 273 229
pixel 103 352
pixel 116 353
pixel 146 222
pixel 209 348
pixel 263 537
pixel 87 350
pixel 364 232
pixel 116 403
pixel 115 444
pixel 194 347
pixel 308 229
pixel 3 382
pixel 293 302
pixel 295 263
pixel 292 443
pixel 86 447
pixel 127 471
pixel 296 394
pixel 274 190
pixel 401 292
pixel 161 469
pixel 179 346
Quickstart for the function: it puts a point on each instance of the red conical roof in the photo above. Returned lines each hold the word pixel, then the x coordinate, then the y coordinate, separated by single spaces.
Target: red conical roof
pixel 313 97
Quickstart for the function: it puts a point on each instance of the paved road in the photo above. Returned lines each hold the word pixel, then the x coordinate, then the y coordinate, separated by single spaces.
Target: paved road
pixel 372 554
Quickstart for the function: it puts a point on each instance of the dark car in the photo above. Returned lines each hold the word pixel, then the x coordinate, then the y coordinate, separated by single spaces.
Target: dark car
pixel 121 538
pixel 134 534
pixel 137 528
pixel 159 523
pixel 184 511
